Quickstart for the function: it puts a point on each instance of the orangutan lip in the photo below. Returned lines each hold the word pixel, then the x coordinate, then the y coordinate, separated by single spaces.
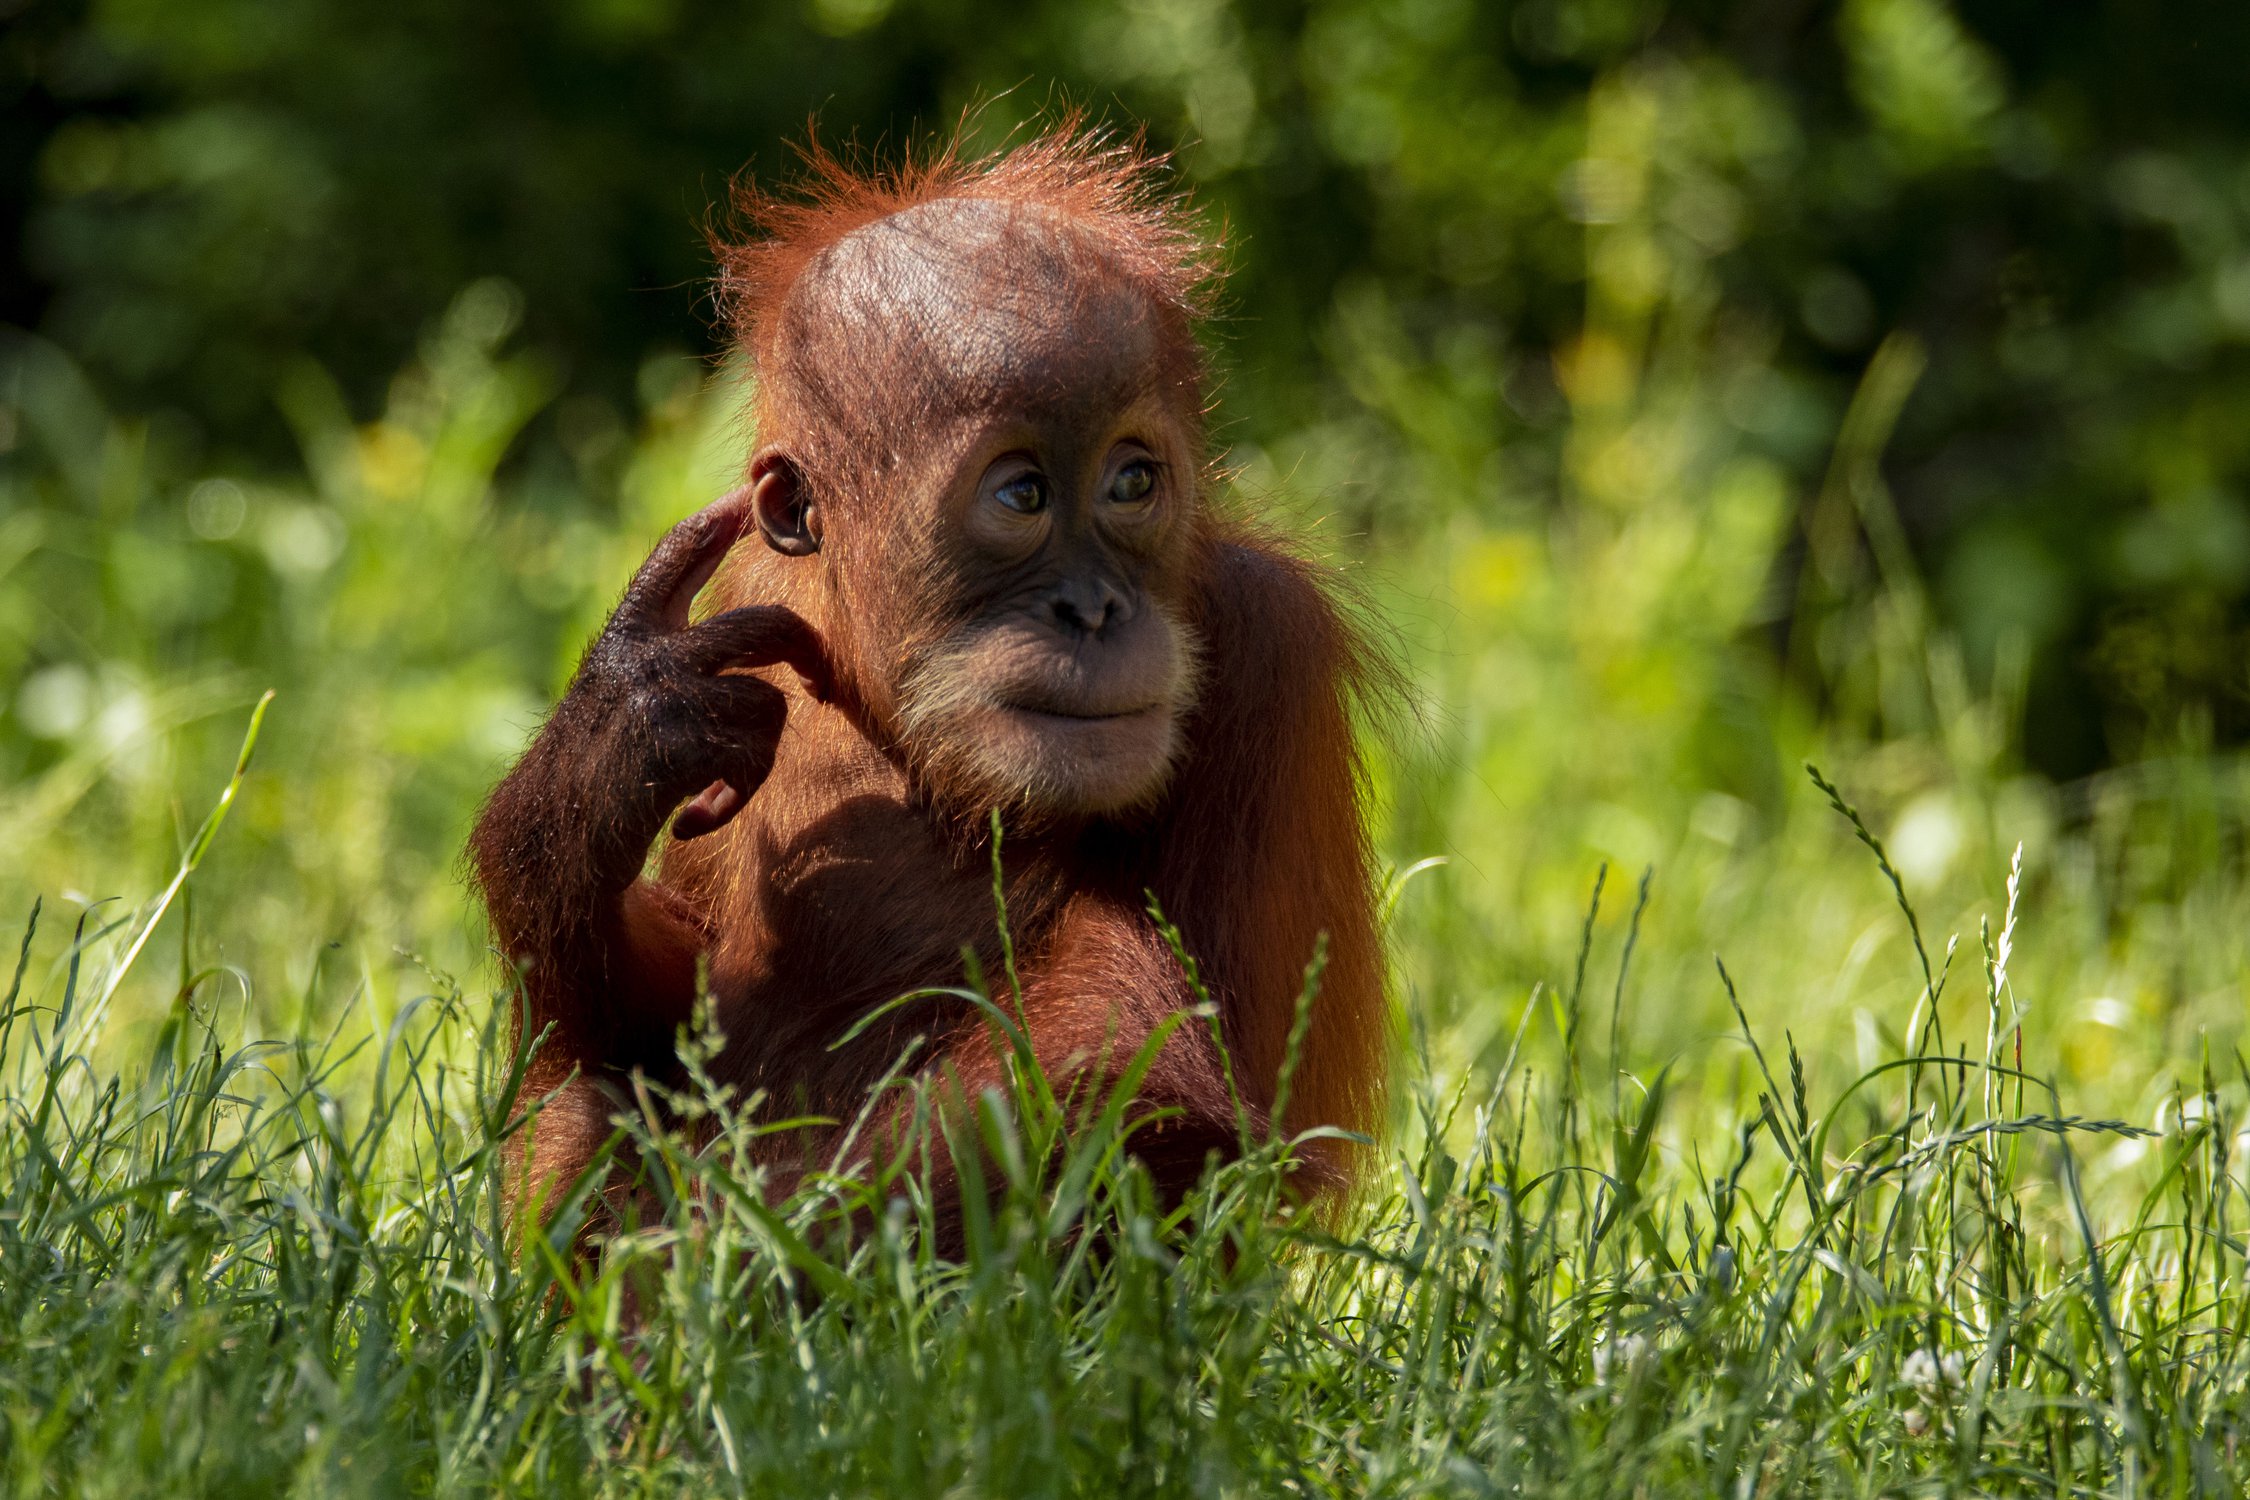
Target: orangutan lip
pixel 1068 717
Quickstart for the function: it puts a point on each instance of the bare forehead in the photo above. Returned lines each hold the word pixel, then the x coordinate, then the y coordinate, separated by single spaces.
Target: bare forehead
pixel 980 302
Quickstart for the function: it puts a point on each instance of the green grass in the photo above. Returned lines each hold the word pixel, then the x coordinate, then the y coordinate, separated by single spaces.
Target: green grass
pixel 232 1265
pixel 1948 1205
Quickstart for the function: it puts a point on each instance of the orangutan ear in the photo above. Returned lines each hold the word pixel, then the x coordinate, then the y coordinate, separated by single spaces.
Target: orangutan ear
pixel 786 514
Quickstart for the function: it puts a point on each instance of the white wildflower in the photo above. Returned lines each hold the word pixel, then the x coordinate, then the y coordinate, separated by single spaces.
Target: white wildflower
pixel 1917 1421
pixel 1618 1355
pixel 1929 1372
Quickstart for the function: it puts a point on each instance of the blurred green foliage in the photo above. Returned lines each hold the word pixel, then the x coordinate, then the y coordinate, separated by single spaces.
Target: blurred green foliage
pixel 413 621
pixel 1695 389
pixel 2055 204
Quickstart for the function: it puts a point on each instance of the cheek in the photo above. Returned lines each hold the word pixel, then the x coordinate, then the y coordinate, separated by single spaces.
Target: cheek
pixel 889 608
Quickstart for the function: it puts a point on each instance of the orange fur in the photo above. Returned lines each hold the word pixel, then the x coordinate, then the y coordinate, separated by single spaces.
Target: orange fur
pixel 857 871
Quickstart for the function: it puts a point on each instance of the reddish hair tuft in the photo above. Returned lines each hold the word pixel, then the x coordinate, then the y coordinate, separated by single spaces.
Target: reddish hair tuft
pixel 1113 189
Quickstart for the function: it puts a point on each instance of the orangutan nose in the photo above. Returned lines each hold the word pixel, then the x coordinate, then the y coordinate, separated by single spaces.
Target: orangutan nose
pixel 1089 606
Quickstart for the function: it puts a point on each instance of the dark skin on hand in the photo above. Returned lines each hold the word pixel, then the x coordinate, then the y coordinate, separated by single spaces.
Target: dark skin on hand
pixel 973 569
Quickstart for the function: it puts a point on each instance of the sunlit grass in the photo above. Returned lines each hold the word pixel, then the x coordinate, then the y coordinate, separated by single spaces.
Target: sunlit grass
pixel 235 1266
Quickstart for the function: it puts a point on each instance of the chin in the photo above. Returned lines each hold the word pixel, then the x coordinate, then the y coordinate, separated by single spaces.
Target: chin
pixel 1059 766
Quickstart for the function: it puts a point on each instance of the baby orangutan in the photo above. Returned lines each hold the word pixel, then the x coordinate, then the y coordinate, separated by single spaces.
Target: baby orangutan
pixel 973 568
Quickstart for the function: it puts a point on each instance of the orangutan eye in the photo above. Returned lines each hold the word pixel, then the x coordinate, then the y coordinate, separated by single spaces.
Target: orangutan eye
pixel 1133 483
pixel 1026 494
